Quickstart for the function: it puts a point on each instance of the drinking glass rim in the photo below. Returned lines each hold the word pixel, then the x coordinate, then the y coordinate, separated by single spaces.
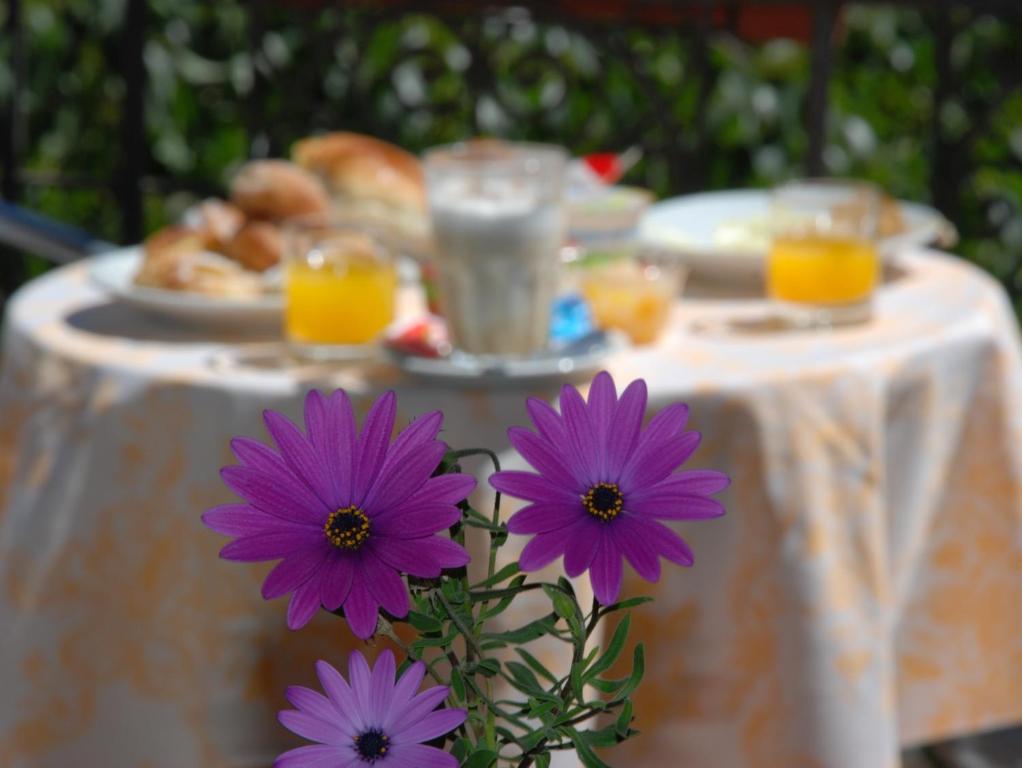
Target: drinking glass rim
pixel 470 156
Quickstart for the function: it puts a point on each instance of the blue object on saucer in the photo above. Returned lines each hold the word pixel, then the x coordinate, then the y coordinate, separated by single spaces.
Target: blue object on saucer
pixel 570 320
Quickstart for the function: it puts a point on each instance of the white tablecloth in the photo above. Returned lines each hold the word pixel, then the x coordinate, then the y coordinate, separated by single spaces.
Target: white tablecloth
pixel 864 590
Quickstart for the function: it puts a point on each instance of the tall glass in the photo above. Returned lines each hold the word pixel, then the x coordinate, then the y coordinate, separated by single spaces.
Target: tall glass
pixel 823 263
pixel 498 225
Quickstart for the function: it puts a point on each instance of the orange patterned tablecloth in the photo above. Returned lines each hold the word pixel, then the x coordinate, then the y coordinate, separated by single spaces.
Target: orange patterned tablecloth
pixel 864 591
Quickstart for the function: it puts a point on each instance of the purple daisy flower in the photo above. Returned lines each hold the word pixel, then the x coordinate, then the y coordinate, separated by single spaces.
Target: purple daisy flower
pixel 604 484
pixel 373 721
pixel 344 514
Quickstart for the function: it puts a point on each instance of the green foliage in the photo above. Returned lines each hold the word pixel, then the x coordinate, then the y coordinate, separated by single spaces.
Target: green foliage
pixel 538 710
pixel 224 84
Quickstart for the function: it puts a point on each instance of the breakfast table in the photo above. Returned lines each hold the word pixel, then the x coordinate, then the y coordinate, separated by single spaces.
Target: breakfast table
pixel 863 592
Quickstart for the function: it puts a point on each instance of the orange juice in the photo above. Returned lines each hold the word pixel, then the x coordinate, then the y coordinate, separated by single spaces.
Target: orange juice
pixel 343 304
pixel 820 269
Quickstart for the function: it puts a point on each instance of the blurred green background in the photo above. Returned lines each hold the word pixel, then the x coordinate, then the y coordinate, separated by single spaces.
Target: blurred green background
pixel 223 87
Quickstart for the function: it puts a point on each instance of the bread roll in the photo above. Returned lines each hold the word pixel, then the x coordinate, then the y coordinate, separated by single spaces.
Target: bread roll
pixel 218 219
pixel 276 190
pixel 257 246
pixel 176 260
pixel 360 167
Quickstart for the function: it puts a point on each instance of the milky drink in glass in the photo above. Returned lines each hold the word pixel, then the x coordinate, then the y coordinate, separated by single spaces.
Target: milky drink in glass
pixel 498 226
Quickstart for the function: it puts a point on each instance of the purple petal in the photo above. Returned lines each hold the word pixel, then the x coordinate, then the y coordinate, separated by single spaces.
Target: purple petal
pixel 271 545
pixel 605 572
pixel 581 434
pixel 340 693
pixel 415 522
pixel 654 463
pixel 542 550
pixel 381 686
pixel 372 444
pixel 335 580
pixel 420 756
pixel 674 506
pixel 300 456
pixel 602 405
pixel 580 547
pixel 385 586
pixel 420 705
pixel 330 425
pixel 242 519
pixel 315 756
pixel 525 485
pixel 547 421
pixel 312 728
pixel 623 433
pixel 303 606
pixel 361 610
pixel 449 489
pixel 429 727
pixel 291 572
pixel 279 493
pixel 424 557
pixel 669 544
pixel 542 518
pixel 637 549
pixel 693 482
pixel 396 484
pixel 542 456
pixel 360 678
pixel 403 455
pixel 316 704
pixel 406 688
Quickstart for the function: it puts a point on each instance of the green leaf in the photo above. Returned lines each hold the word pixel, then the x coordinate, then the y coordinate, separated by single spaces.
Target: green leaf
pixel 536 664
pixel 524 634
pixel 509 570
pixel 638 669
pixel 585 752
pixel 543 760
pixel 624 605
pixel 482 758
pixel 614 648
pixel 564 606
pixel 524 677
pixel 624 720
pixel 488 667
pixel 457 684
pixel 424 623
pixel 461 748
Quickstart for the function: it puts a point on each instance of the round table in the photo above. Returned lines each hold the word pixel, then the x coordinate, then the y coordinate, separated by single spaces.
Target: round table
pixel 862 592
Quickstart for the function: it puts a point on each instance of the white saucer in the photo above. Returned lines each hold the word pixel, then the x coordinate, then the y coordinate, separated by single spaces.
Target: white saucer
pixel 577 359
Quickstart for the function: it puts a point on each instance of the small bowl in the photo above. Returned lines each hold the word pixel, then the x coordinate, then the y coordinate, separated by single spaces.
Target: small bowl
pixel 630 286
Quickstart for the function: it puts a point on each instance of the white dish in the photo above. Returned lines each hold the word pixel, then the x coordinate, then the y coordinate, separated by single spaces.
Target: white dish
pixel 114 272
pixel 697 227
pixel 577 359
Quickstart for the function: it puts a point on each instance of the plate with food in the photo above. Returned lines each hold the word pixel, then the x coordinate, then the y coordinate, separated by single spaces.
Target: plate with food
pixel 223 262
pixel 726 235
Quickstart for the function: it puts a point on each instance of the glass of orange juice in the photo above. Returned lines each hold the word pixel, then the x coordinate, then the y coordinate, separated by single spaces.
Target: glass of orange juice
pixel 823 263
pixel 339 289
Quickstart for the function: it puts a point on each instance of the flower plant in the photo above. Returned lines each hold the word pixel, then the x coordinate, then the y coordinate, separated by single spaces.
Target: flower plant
pixel 374 530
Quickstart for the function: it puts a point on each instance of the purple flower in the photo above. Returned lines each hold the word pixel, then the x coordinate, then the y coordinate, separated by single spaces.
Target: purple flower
pixel 604 484
pixel 344 514
pixel 373 721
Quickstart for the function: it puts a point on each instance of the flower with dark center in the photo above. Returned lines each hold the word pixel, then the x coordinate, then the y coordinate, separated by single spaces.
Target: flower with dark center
pixel 345 513
pixel 603 484
pixel 370 719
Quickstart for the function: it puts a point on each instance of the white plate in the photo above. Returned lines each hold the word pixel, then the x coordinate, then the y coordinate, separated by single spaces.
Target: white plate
pixel 577 359
pixel 115 272
pixel 696 225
